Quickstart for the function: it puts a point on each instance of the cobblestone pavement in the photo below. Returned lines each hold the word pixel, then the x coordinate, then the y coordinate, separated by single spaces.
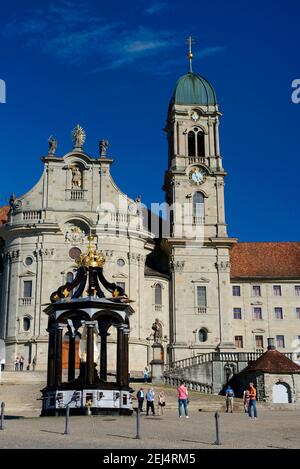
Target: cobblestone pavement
pixel 273 429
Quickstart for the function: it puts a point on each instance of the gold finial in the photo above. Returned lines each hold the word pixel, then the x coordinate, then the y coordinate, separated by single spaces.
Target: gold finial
pixel 92 258
pixel 190 41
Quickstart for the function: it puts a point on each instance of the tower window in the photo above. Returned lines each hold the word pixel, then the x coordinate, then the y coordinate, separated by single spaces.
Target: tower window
pixel 196 145
pixel 198 204
pixel 158 294
pixel 201 297
pixel 202 334
pixel 27 289
pixel 26 324
pixel 70 277
pixel 192 143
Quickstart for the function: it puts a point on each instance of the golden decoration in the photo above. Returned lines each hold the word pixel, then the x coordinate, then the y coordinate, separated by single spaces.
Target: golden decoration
pixel 92 258
pixel 116 293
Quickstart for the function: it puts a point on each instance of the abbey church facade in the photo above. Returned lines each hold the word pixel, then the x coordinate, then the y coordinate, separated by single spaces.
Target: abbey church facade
pixel 208 291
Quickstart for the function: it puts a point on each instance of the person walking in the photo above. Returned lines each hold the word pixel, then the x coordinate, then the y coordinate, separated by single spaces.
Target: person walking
pixel 252 401
pixel 229 399
pixel 183 399
pixel 146 374
pixel 161 402
pixel 21 363
pixel 150 401
pixel 17 364
pixel 33 363
pixel 140 397
pixel 246 400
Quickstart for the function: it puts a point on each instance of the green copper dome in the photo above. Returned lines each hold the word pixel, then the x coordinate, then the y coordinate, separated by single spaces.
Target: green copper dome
pixel 194 89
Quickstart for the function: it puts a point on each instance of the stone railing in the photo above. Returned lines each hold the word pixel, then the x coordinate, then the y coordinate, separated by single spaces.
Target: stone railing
pixel 219 357
pixel 76 194
pixel 32 215
pixel 192 385
pixel 25 301
pixel 197 159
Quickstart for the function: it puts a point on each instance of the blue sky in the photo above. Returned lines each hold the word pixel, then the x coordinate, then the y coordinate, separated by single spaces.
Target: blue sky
pixel 112 67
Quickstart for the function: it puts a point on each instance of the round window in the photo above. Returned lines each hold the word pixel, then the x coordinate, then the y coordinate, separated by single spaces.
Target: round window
pixel 26 324
pixel 28 261
pixel 74 253
pixel 202 335
pixel 120 262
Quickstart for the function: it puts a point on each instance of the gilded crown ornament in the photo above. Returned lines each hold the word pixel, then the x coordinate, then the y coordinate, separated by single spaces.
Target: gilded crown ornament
pixel 92 258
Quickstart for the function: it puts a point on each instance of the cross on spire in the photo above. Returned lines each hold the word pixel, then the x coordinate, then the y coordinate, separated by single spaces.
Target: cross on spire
pixel 190 42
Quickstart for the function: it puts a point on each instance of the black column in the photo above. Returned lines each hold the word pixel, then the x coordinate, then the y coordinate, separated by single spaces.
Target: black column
pixel 125 358
pixel 90 353
pixel 58 355
pixel 51 358
pixel 103 355
pixel 71 362
pixel 120 346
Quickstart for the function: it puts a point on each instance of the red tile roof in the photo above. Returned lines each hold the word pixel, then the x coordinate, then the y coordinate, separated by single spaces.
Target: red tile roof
pixel 3 215
pixel 273 361
pixel 268 260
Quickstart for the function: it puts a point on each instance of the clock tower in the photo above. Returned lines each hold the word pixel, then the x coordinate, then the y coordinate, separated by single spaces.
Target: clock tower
pixel 198 244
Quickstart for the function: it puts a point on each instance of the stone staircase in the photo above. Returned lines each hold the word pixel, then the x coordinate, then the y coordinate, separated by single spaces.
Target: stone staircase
pixel 20 391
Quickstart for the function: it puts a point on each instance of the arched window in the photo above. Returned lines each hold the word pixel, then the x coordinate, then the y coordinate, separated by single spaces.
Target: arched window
pixel 26 323
pixel 202 334
pixel 191 144
pixel 200 144
pixel 158 294
pixel 198 207
pixel 196 146
pixel 70 277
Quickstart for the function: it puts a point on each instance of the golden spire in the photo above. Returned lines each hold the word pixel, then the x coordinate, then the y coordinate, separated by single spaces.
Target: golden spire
pixel 92 258
pixel 190 41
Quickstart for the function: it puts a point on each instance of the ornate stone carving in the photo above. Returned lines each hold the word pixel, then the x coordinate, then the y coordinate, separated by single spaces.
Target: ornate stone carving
pixel 52 145
pixel 223 266
pixel 74 235
pixel 13 255
pixel 136 258
pixel 177 265
pixel 44 253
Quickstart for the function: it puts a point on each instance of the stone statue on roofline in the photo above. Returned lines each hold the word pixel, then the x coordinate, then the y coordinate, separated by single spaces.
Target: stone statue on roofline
pixel 103 146
pixel 78 136
pixel 52 145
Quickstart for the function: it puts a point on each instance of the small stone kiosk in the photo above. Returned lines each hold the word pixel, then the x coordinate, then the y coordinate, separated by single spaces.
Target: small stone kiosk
pixel 276 377
pixel 87 318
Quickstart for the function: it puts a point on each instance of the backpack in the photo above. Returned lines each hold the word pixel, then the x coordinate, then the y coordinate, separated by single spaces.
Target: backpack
pixel 138 394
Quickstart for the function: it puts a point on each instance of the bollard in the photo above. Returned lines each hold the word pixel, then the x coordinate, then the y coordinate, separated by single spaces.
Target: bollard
pixel 2 416
pixel 138 421
pixel 217 417
pixel 67 432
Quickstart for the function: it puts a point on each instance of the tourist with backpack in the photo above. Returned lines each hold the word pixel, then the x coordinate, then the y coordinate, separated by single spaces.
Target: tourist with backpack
pixel 229 399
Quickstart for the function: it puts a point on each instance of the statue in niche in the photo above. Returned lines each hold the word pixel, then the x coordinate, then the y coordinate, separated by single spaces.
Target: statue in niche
pixel 52 145
pixel 103 146
pixel 157 331
pixel 76 177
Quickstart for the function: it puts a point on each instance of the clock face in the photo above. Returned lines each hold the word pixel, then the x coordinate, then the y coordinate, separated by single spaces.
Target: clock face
pixel 197 176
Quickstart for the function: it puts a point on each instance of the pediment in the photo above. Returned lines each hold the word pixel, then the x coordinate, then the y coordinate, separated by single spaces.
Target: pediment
pixel 28 273
pixel 120 275
pixel 201 280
